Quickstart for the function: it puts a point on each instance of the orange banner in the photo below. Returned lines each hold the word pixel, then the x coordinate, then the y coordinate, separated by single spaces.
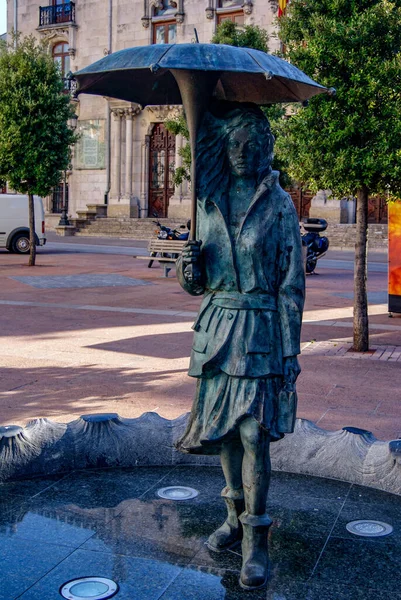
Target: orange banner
pixel 394 256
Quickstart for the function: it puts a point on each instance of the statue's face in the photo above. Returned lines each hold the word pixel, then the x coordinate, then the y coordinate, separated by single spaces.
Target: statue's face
pixel 243 152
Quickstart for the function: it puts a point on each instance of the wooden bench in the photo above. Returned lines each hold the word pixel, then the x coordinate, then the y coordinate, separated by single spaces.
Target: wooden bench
pixel 161 250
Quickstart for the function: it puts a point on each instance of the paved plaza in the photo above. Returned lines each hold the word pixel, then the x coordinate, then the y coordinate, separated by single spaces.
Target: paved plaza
pixel 92 329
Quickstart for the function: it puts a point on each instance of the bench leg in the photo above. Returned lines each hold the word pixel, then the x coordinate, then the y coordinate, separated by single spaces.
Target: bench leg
pixel 167 270
pixel 151 261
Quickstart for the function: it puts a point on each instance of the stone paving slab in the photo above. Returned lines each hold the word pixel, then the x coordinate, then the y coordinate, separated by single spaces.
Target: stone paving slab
pixel 79 281
pixel 111 523
pixel 125 349
pixel 331 348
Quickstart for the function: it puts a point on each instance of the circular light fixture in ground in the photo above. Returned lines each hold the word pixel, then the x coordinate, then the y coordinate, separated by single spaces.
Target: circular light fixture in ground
pixel 177 492
pixel 368 528
pixel 95 588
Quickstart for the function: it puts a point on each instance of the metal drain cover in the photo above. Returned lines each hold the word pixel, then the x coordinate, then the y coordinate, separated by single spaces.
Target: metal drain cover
pixel 96 588
pixel 177 492
pixel 367 528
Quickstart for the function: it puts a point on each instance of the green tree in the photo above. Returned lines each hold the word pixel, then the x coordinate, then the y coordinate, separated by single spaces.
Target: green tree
pixel 35 139
pixel 351 143
pixel 250 36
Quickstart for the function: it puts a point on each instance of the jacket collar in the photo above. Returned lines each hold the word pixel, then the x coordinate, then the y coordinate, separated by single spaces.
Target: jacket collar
pixel 264 187
pixel 262 191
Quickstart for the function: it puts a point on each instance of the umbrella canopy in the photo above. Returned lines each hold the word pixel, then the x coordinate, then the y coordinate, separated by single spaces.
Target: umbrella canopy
pixel 190 74
pixel 143 74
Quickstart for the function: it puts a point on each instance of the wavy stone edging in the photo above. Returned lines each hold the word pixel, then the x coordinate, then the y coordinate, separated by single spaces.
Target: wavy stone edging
pixel 45 447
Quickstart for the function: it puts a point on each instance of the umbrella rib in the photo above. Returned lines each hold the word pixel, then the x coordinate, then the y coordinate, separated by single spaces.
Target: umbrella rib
pixel 290 91
pixel 258 63
pixel 102 76
pixel 161 58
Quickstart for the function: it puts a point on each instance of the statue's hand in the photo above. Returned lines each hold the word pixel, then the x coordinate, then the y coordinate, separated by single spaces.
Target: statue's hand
pixel 192 270
pixel 191 252
pixel 291 370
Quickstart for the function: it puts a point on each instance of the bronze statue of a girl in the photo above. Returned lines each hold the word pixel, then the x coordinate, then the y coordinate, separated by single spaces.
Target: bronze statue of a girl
pixel 247 333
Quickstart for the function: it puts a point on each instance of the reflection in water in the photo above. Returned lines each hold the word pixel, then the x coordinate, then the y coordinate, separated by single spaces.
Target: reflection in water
pixel 167 528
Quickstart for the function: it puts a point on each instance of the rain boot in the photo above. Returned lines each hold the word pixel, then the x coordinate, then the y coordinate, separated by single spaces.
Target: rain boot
pixel 255 557
pixel 230 533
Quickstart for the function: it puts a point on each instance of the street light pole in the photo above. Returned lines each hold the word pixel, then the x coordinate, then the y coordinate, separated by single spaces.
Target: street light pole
pixel 72 123
pixel 64 212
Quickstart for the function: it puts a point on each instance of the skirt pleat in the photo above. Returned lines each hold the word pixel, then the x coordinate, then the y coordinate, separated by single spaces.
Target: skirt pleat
pixel 221 403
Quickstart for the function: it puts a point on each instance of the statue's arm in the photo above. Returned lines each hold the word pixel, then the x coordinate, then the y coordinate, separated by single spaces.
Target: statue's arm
pixel 191 255
pixel 291 295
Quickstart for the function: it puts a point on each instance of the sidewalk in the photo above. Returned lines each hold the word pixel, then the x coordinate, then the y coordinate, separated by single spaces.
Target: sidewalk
pixel 84 333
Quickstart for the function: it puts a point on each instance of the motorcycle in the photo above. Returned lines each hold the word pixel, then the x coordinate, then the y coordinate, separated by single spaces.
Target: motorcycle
pixel 316 245
pixel 167 233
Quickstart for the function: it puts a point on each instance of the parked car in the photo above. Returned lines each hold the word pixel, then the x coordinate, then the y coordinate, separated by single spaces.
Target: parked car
pixel 14 222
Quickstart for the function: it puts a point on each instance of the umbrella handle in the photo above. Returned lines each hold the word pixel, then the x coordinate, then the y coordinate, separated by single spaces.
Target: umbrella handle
pixel 196 89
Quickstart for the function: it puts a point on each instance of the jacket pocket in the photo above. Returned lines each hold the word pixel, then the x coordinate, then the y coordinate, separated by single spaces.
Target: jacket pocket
pixel 200 343
pixel 258 347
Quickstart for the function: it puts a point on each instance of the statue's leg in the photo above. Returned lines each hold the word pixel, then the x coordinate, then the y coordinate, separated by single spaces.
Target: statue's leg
pixel 256 470
pixel 230 533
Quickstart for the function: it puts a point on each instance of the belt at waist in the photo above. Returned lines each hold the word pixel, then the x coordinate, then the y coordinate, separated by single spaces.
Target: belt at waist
pixel 235 300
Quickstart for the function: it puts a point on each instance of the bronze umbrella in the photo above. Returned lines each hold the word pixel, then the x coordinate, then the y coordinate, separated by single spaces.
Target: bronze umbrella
pixel 189 74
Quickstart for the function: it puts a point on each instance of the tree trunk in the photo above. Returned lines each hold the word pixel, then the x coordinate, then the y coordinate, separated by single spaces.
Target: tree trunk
pixel 32 236
pixel 361 322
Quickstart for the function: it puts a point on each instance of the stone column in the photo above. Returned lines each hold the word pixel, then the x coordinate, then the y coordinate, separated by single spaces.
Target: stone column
pixel 116 172
pixel 128 149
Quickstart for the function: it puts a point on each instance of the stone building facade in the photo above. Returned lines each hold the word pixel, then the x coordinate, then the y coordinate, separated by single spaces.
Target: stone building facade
pixel 125 157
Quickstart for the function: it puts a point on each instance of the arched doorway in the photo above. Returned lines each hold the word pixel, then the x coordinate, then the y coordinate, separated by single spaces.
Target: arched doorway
pixel 161 170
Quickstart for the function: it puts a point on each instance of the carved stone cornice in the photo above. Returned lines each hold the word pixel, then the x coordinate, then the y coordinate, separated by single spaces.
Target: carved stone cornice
pixel 163 112
pixel 53 34
pixel 151 5
pixel 121 109
pixel 247 7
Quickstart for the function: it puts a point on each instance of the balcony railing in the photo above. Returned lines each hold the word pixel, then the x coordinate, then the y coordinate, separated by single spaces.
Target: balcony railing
pixel 70 85
pixel 60 13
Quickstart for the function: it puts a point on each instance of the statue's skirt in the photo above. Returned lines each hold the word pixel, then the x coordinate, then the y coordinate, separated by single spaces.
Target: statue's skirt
pixel 222 402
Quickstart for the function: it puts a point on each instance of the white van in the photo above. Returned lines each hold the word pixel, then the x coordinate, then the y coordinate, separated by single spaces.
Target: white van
pixel 14 222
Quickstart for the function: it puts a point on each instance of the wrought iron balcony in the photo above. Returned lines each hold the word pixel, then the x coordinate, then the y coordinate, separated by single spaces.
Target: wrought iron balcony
pixel 59 13
pixel 70 85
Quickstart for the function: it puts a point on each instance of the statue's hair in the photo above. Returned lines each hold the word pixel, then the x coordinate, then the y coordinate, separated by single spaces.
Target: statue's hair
pixel 213 171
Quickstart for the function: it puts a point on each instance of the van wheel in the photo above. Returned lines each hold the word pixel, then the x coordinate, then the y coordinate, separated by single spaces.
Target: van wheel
pixel 20 244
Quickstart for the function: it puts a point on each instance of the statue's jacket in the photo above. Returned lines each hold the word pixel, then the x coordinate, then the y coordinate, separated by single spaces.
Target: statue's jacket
pixel 253 286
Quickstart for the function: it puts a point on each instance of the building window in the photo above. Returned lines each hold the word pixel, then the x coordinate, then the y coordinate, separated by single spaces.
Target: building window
pixel 229 3
pixel 59 198
pixel 236 17
pixel 165 33
pixel 232 10
pixel 61 56
pixel 163 16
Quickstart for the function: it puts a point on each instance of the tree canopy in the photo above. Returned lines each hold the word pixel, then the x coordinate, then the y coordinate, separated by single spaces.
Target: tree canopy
pixel 354 139
pixel 351 143
pixel 250 36
pixel 35 139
